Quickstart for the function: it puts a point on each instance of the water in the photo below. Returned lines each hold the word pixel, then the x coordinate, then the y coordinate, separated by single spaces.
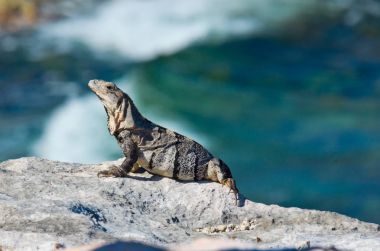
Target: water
pixel 287 93
pixel 143 30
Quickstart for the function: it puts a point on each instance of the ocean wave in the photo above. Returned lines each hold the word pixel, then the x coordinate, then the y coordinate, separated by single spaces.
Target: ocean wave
pixel 74 132
pixel 142 30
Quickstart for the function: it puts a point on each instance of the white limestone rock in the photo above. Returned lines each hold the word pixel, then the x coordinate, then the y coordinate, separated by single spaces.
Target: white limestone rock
pixel 46 204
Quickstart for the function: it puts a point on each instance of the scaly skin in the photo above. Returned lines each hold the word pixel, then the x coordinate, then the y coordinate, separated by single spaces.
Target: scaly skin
pixel 152 147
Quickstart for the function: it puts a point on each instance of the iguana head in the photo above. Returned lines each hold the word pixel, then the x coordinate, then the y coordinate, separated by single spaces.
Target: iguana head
pixel 108 93
pixel 122 114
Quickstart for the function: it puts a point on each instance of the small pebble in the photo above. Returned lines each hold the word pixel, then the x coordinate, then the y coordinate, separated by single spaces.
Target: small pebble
pixel 245 222
pixel 231 227
pixel 244 225
pixel 221 228
pixel 206 230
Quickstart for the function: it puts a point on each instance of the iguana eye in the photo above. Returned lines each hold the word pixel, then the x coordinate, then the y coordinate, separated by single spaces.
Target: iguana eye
pixel 109 87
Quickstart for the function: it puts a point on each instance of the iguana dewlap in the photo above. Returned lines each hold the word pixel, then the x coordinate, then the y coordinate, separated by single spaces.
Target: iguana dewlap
pixel 152 147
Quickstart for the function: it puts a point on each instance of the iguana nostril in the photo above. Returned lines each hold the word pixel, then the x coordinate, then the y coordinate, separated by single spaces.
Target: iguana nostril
pixel 91 84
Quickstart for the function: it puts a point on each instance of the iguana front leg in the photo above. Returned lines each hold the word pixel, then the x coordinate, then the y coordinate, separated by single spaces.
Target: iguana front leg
pixel 129 163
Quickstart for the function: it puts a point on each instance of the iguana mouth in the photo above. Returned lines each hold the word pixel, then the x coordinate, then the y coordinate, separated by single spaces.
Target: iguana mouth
pixel 92 84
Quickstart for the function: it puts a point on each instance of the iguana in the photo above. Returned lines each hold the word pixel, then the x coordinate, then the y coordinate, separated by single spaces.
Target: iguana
pixel 152 147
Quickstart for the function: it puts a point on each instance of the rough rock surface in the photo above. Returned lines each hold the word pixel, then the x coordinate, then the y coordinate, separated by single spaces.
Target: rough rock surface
pixel 47 203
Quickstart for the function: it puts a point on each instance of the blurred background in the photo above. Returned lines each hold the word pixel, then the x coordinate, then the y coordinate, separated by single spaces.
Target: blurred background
pixel 287 92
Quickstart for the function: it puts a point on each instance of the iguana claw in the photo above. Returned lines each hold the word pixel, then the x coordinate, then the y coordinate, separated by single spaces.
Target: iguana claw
pixel 113 171
pixel 231 184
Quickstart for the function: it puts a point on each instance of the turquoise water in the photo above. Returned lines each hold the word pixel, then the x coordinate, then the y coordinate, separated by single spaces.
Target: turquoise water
pixel 295 130
pixel 293 110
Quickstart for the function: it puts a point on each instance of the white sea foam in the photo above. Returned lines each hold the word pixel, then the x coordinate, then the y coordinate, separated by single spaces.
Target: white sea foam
pixel 77 130
pixel 74 133
pixel 141 30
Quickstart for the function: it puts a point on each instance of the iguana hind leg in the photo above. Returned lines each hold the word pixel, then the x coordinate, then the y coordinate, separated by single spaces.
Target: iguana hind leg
pixel 218 171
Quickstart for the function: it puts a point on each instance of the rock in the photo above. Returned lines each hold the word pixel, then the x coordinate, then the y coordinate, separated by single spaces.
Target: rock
pixel 212 230
pixel 221 228
pixel 303 245
pixel 244 225
pixel 48 203
pixel 205 230
pixel 230 227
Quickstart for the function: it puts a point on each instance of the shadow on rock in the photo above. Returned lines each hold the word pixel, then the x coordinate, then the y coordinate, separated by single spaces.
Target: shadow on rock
pixel 141 178
pixel 136 246
pixel 128 246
